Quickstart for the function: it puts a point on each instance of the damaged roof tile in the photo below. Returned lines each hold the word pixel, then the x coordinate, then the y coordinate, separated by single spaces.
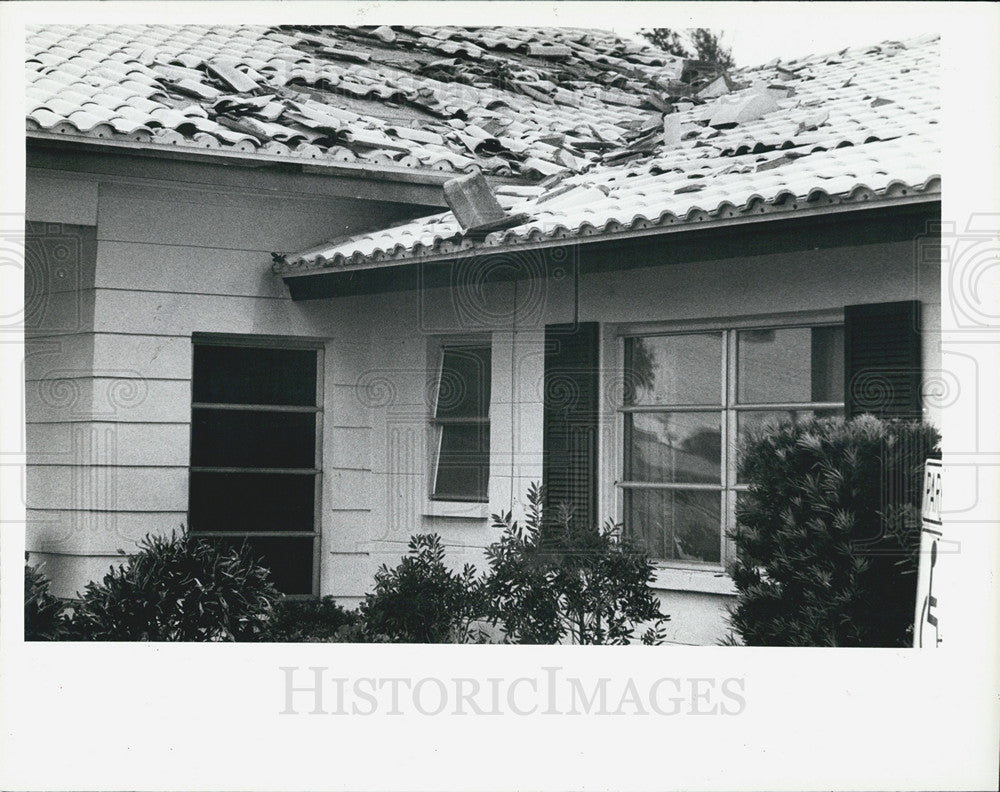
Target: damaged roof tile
pixel 441 75
pixel 833 141
pixel 641 136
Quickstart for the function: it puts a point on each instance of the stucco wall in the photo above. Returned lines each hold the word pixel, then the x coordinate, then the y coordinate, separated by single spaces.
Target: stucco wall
pixel 821 281
pixel 173 260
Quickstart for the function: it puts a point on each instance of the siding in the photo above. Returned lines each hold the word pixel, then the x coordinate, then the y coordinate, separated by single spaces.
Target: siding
pixel 393 380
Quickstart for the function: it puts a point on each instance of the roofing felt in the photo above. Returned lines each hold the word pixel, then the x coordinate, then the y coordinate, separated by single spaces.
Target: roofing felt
pixel 509 101
pixel 857 126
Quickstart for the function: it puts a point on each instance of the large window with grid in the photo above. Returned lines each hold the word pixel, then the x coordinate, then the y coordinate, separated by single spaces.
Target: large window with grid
pixel 689 398
pixel 255 453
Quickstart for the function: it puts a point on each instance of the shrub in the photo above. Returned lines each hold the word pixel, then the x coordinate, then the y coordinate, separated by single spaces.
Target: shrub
pixel 44 615
pixel 178 588
pixel 553 580
pixel 421 600
pixel 828 533
pixel 312 620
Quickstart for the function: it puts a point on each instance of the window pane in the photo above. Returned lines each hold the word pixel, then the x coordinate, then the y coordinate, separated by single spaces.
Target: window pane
pixel 673 447
pixel 675 525
pixel 749 419
pixel 463 469
pixel 251 501
pixel 753 419
pixel 464 389
pixel 792 364
pixel 681 369
pixel 252 438
pixel 248 375
pixel 290 559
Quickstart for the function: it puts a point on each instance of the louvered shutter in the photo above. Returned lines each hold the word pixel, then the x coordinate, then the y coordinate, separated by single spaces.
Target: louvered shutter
pixel 569 467
pixel 882 360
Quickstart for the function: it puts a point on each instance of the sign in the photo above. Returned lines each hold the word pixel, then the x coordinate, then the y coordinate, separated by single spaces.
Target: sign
pixel 936 564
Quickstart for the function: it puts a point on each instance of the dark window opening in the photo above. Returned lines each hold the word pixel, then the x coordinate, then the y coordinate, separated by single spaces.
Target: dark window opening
pixel 254 476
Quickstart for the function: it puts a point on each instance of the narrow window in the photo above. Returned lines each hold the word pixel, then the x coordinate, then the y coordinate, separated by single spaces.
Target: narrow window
pixel 673 415
pixel 255 420
pixel 462 424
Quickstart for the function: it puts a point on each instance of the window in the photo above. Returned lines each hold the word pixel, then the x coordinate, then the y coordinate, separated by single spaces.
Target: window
pixel 255 429
pixel 461 423
pixel 689 398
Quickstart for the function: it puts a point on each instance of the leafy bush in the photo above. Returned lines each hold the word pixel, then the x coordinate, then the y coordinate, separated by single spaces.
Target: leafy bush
pixel 421 600
pixel 552 580
pixel 828 534
pixel 44 615
pixel 312 620
pixel 178 588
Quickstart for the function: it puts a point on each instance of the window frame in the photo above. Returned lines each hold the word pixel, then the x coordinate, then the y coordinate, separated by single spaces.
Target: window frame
pixel 272 343
pixel 436 425
pixel 729 410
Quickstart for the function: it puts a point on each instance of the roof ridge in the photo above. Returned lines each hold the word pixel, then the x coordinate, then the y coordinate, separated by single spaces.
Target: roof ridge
pixel 912 41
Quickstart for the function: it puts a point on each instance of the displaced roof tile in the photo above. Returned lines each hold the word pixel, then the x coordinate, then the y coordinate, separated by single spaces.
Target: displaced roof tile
pixel 541 103
pixel 774 152
pixel 228 72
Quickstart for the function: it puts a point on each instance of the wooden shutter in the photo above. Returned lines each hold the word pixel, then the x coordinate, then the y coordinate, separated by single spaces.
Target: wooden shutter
pixel 882 360
pixel 569 466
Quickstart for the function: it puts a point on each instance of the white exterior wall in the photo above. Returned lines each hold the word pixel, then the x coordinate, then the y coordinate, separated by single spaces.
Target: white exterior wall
pixel 776 285
pixel 819 281
pixel 108 452
pixel 389 385
pixel 173 261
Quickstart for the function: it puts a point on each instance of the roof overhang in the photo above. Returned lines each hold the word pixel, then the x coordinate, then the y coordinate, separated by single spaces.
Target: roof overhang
pixel 903 219
pixel 782 208
pixel 130 158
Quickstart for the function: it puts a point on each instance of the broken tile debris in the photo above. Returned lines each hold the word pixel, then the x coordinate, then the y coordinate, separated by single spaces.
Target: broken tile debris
pixel 747 151
pixel 420 88
pixel 609 132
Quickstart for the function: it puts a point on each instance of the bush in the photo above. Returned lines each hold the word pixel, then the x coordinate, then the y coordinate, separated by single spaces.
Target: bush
pixel 553 580
pixel 44 615
pixel 312 620
pixel 828 534
pixel 421 600
pixel 178 588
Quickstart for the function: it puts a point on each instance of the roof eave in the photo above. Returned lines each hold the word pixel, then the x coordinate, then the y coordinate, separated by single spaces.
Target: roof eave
pixel 257 159
pixel 858 200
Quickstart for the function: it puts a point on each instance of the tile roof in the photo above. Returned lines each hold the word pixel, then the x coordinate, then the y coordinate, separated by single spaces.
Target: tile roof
pixel 855 126
pixel 510 101
pixel 602 135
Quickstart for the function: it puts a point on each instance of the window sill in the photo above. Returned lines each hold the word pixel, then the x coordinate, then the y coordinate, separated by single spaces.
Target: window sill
pixel 704 581
pixel 466 510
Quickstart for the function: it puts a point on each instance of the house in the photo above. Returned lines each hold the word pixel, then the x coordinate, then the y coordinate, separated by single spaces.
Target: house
pixel 253 308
